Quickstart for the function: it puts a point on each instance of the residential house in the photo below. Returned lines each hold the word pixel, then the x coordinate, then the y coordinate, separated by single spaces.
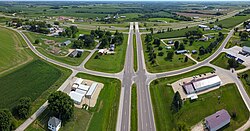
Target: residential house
pixel 217 120
pixel 54 124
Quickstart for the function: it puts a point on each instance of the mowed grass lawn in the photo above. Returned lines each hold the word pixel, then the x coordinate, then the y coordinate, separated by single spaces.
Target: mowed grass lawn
pixel 233 21
pixel 42 49
pixel 109 63
pixel 222 61
pixel 162 95
pixel 161 63
pixel 30 80
pixel 134 120
pixel 12 50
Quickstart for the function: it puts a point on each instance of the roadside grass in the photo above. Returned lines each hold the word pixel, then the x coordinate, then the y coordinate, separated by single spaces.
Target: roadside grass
pixel 135 53
pixel 109 63
pixel 162 95
pixel 221 61
pixel 233 21
pixel 161 63
pixel 12 50
pixel 174 33
pixel 163 19
pixel 106 109
pixel 42 49
pixel 134 121
pixel 244 82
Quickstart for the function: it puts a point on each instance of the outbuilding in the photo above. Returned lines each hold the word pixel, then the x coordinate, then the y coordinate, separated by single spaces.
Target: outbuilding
pixel 246 49
pixel 207 83
pixel 83 87
pixel 91 90
pixel 54 124
pixel 65 43
pixel 181 51
pixel 218 120
pixel 78 81
pixel 76 97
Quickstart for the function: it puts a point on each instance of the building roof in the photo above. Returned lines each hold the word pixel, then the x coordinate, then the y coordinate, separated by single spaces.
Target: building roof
pixel 78 81
pixel 206 81
pixel 181 51
pixel 67 42
pixel 217 118
pixel 246 49
pixel 83 87
pixel 54 121
pixel 81 92
pixel 92 89
pixel 188 88
pixel 203 26
pixel 76 96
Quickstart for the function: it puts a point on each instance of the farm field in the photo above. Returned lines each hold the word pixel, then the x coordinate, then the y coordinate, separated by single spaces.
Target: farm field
pixel 104 113
pixel 221 61
pixel 134 108
pixel 162 95
pixel 244 82
pixel 42 49
pixel 12 50
pixel 109 63
pixel 174 33
pixel 163 19
pixel 233 21
pixel 162 64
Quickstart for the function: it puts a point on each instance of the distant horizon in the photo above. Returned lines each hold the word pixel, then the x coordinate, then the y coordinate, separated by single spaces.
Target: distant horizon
pixel 131 0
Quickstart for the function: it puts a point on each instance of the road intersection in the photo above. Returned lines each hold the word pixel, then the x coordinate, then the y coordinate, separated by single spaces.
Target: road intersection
pixel 141 78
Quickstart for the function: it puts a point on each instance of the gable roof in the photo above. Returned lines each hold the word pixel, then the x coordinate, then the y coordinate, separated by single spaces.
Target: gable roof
pixel 54 121
pixel 217 118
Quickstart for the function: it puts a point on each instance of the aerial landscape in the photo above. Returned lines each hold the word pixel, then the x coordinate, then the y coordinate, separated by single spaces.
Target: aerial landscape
pixel 168 65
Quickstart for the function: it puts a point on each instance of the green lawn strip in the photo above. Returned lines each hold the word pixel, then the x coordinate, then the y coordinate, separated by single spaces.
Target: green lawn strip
pixel 163 19
pixel 162 95
pixel 109 63
pixel 12 51
pixel 165 65
pixel 106 109
pixel 175 33
pixel 135 53
pixel 221 61
pixel 134 108
pixel 246 86
pixel 233 21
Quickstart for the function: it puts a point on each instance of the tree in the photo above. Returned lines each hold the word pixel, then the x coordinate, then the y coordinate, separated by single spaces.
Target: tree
pixel 68 32
pixel 176 103
pixel 176 45
pixel 56 23
pixel 5 121
pixel 104 42
pixel 160 53
pixel 185 41
pixel 61 105
pixel 186 59
pixel 157 42
pixel 89 41
pixel 182 46
pixel 151 31
pixel 23 108
pixel 244 36
pixel 37 41
pixel 232 63
pixel 170 55
pixel 181 126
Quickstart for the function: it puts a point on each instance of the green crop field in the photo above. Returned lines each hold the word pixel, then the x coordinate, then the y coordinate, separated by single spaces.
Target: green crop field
pixel 221 61
pixel 163 19
pixel 109 63
pixel 31 81
pixel 134 121
pixel 233 21
pixel 12 51
pixel 162 95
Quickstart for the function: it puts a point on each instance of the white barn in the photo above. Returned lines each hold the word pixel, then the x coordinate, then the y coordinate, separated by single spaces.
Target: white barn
pixel 206 83
pixel 91 90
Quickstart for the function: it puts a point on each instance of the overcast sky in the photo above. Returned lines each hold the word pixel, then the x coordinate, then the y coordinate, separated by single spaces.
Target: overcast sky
pixel 125 0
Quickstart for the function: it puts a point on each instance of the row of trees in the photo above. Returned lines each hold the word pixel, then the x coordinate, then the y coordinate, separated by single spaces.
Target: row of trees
pixel 69 32
pixel 108 39
pixel 86 41
pixel 212 45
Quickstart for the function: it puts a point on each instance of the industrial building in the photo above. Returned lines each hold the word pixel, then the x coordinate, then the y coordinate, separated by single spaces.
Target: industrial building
pixel 202 84
pixel 218 120
pixel 246 50
pixel 76 97
pixel 91 90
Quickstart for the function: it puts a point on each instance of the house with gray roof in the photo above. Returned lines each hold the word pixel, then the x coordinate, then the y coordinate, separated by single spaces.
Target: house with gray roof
pixel 54 124
pixel 217 120
pixel 246 49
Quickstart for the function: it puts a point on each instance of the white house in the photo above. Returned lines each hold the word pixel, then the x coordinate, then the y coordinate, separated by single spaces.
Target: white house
pixel 54 124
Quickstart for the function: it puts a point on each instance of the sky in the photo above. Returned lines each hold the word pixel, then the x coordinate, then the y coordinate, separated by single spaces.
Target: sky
pixel 125 0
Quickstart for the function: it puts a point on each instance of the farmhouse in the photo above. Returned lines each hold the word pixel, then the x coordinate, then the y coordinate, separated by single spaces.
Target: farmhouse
pixel 246 50
pixel 201 84
pixel 54 124
pixel 218 120
pixel 65 43
pixel 91 90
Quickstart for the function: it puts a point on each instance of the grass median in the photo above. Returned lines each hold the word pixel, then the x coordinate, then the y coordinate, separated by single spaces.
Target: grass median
pixel 133 117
